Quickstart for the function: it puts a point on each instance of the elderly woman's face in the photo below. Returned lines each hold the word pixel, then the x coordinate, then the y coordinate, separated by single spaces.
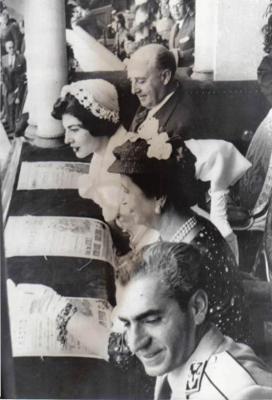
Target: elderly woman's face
pixel 79 138
pixel 135 207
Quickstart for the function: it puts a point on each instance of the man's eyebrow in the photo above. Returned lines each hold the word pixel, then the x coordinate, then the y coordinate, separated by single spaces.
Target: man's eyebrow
pixel 142 316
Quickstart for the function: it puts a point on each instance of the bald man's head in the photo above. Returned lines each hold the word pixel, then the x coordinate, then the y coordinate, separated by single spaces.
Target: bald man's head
pixel 151 70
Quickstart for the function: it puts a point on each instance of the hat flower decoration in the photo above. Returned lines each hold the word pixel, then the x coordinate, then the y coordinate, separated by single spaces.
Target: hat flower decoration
pixel 159 146
pixel 97 96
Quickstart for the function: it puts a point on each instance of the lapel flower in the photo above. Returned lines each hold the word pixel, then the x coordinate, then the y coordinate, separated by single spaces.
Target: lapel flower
pixel 159 148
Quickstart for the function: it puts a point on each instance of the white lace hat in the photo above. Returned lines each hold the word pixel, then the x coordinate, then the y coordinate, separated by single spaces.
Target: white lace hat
pixel 97 96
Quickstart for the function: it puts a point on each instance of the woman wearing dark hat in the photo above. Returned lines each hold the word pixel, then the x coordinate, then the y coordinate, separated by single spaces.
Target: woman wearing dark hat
pixel 159 187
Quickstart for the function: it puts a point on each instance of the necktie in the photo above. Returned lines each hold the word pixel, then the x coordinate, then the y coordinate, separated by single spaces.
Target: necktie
pixel 165 392
pixel 139 118
pixel 11 61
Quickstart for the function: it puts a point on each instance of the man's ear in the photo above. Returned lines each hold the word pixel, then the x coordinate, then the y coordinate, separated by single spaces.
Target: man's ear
pixel 198 303
pixel 159 204
pixel 166 76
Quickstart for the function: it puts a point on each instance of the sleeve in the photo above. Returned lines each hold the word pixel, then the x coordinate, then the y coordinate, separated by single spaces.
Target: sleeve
pixel 228 377
pixel 16 35
pixel 217 161
pixel 254 392
pixel 223 165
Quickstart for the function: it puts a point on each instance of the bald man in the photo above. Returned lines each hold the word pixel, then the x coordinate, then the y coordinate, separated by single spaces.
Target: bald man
pixel 151 70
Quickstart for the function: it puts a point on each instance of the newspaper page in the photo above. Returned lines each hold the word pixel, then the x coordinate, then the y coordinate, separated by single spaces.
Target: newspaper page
pixel 51 175
pixel 33 311
pixel 59 236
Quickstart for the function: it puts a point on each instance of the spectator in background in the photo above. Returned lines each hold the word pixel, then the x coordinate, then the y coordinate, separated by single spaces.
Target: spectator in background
pixel 165 23
pixel 255 187
pixel 14 79
pixel 182 36
pixel 82 16
pixel 120 36
pixel 144 30
pixel 22 30
pixel 9 30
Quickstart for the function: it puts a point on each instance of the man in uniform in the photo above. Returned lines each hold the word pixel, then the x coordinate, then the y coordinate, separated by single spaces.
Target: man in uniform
pixel 164 308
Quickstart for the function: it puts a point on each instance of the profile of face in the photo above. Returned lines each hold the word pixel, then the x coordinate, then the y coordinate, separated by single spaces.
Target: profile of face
pixel 147 81
pixel 160 334
pixel 135 208
pixel 177 9
pixel 79 138
pixel 9 46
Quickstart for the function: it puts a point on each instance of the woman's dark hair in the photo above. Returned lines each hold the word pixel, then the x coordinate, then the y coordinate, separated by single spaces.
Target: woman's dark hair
pixel 96 126
pixel 175 180
pixel 121 19
pixel 267 31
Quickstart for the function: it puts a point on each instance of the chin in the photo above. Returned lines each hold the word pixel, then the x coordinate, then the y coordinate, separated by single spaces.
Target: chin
pixel 81 155
pixel 156 370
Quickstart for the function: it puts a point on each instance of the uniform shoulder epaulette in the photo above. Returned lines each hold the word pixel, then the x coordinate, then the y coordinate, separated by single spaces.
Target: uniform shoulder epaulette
pixel 221 376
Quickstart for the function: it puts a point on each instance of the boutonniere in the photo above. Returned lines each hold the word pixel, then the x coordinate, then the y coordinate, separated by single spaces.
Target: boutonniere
pixel 159 146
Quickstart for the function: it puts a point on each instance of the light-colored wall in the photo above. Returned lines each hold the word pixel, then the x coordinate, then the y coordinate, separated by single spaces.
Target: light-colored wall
pixel 239 40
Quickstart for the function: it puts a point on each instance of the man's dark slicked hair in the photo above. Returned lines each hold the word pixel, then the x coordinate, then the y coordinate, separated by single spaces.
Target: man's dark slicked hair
pixel 176 265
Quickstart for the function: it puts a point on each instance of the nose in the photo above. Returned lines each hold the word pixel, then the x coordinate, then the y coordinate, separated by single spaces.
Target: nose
pixel 68 138
pixel 134 87
pixel 137 339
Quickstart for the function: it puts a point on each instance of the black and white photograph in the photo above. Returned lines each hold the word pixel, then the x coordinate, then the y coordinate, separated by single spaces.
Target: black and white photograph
pixel 136 199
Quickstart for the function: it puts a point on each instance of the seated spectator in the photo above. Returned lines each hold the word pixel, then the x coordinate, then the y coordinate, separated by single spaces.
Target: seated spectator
pixel 182 36
pixel 159 187
pixel 14 78
pixel 9 30
pixel 217 164
pixel 164 305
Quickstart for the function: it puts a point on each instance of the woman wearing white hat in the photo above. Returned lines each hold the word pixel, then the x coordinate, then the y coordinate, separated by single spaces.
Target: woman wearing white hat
pixel 89 111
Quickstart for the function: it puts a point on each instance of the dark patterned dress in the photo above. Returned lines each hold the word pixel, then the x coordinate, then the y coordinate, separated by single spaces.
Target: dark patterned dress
pixel 227 308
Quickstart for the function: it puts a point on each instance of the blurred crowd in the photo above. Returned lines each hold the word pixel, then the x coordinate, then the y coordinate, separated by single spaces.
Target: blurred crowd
pixel 167 22
pixel 13 68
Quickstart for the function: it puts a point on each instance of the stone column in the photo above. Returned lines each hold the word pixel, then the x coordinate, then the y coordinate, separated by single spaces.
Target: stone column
pixel 205 34
pixel 46 66
pixel 239 40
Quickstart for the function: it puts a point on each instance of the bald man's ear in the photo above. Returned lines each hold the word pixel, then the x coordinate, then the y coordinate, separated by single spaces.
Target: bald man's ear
pixel 198 303
pixel 166 76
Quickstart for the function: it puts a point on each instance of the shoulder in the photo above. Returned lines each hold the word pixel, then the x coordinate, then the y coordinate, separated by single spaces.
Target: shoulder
pixel 20 58
pixel 221 377
pixel 5 59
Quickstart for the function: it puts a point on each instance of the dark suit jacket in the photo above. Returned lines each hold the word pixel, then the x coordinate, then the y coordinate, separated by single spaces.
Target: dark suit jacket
pixel 179 115
pixel 15 75
pixel 184 40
